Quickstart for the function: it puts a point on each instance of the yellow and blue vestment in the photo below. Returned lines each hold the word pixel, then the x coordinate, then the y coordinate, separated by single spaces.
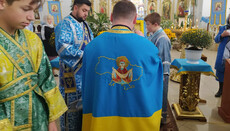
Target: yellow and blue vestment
pixel 122 83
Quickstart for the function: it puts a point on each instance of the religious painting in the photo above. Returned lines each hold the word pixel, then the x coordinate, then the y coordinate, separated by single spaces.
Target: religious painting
pixel 140 8
pixel 55 10
pixel 218 12
pixel 103 6
pixel 218 6
pixel 141 11
pixel 166 10
pixel 152 6
pixel 181 7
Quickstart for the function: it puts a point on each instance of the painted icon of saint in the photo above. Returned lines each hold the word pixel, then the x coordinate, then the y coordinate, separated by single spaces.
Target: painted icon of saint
pixel 181 9
pixel 54 8
pixel 122 75
pixel 218 7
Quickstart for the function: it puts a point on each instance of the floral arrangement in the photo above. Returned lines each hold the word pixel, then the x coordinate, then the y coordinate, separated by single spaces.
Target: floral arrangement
pixel 197 38
pixel 98 22
pixel 165 23
pixel 171 36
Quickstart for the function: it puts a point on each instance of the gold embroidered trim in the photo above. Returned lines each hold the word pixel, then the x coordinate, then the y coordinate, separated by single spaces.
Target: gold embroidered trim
pixel 23 126
pixel 70 90
pixel 78 68
pixel 196 72
pixel 193 72
pixel 15 74
pixel 16 43
pixel 30 108
pixel 172 66
pixel 120 31
pixel 12 112
pixel 16 96
pixel 11 59
pixel 16 80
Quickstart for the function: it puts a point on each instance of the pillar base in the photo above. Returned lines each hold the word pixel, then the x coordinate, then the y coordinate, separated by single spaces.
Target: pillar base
pixel 181 114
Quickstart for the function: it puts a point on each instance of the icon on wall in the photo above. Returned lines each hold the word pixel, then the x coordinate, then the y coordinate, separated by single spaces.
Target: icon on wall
pixel 55 10
pixel 218 12
pixel 218 6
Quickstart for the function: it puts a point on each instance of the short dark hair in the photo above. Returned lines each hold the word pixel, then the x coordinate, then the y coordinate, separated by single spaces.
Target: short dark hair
pixel 80 3
pixel 32 2
pixel 153 18
pixel 124 9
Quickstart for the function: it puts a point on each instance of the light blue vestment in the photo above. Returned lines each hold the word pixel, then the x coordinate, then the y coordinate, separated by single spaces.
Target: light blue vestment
pixel 161 40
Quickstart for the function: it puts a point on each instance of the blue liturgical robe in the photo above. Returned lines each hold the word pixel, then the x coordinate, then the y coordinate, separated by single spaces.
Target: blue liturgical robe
pixel 122 83
pixel 71 37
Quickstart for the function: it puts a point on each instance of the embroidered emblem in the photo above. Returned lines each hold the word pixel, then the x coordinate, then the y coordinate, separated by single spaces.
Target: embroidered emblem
pixel 123 74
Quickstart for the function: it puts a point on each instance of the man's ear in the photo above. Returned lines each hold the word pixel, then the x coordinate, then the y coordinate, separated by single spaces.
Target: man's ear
pixel 135 19
pixel 75 7
pixel 2 4
pixel 111 17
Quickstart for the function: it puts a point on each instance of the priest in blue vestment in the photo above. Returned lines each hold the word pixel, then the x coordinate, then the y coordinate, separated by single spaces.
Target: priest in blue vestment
pixel 72 35
pixel 122 78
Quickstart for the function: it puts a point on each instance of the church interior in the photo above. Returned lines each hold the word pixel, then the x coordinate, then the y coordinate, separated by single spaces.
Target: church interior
pixel 209 113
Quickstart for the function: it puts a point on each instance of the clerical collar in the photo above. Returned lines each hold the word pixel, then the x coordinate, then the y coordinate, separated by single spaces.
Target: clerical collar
pixel 121 25
pixel 78 19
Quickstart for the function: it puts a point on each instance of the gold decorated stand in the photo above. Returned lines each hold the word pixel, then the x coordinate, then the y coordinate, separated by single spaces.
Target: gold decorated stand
pixel 189 98
pixel 189 88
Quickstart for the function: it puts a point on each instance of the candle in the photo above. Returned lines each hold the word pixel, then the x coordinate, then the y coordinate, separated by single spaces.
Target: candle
pixel 196 23
pixel 190 24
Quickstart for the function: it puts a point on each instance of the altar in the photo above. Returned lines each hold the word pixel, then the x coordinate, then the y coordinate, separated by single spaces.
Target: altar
pixel 189 88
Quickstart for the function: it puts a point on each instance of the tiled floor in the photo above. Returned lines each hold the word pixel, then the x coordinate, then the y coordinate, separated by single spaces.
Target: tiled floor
pixel 208 88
